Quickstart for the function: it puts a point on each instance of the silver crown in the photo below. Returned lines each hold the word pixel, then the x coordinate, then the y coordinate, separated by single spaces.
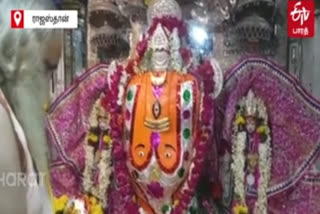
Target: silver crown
pixel 251 104
pixel 254 106
pixel 159 40
pixel 160 8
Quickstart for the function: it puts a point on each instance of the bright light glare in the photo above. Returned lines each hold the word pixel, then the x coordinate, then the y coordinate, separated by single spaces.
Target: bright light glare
pixel 199 35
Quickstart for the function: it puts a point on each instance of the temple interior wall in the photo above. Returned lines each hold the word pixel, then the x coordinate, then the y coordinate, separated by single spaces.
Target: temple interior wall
pixel 300 57
pixel 310 72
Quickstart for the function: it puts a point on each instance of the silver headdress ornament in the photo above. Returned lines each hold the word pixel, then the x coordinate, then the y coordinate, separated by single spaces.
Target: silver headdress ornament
pixel 175 40
pixel 176 59
pixel 251 104
pixel 161 8
pixel 159 40
pixel 254 106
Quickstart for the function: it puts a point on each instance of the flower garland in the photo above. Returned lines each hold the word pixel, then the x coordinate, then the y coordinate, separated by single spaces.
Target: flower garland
pixel 104 162
pixel 238 166
pixel 169 23
pixel 205 74
pixel 251 170
pixel 104 176
pixel 122 178
pixel 88 169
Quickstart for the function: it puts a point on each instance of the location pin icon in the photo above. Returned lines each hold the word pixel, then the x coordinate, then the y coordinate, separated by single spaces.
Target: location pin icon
pixel 17 17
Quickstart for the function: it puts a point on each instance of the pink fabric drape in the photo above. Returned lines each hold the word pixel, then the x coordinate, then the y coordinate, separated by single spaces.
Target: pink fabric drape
pixel 67 123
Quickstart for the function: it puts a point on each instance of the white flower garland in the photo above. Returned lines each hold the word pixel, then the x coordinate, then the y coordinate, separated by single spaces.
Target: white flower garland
pixel 239 159
pixel 264 160
pixel 87 174
pixel 104 165
pixel 105 171
pixel 104 175
pixel 238 164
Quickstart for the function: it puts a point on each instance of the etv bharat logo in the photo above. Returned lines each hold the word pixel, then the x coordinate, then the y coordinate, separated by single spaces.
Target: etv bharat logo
pixel 301 22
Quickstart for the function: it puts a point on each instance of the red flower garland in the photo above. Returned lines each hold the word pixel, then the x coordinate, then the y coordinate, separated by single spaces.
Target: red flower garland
pixel 170 23
pixel 142 47
pixel 186 55
pixel 204 136
pixel 122 178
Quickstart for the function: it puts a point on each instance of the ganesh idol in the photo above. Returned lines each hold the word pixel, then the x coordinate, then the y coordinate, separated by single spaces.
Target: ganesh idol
pixel 133 137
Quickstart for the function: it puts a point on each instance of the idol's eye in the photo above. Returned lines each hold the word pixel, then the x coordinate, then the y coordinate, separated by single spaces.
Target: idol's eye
pixel 168 155
pixel 139 149
pixel 169 151
pixel 141 154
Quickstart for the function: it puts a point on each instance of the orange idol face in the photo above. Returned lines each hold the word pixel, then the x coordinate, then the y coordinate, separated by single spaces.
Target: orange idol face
pixel 161 113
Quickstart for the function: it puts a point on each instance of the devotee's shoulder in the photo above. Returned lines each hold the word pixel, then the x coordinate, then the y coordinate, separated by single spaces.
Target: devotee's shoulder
pixel 9 157
pixel 5 122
